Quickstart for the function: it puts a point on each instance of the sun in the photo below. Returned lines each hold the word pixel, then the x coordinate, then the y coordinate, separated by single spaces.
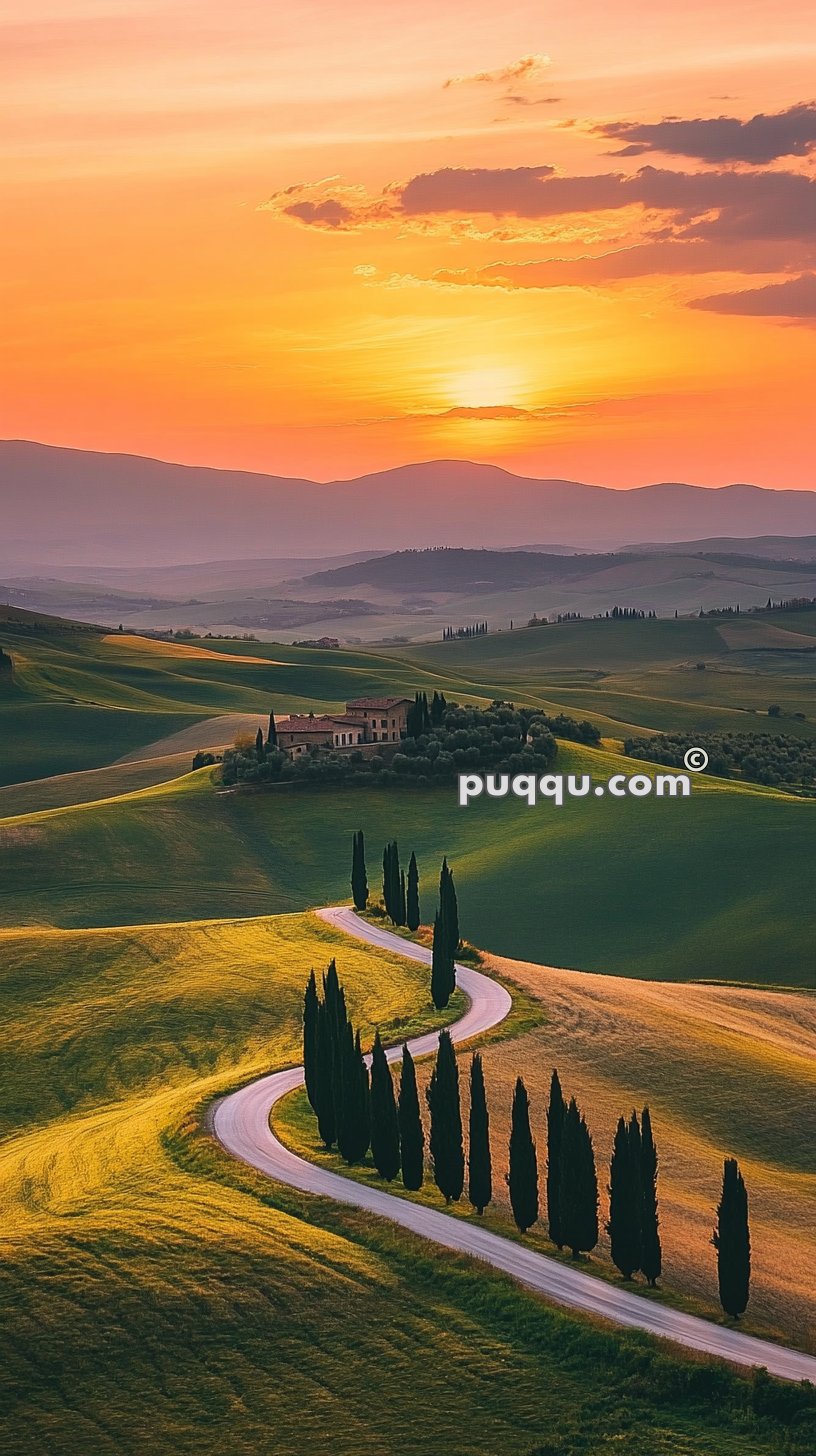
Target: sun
pixel 485 386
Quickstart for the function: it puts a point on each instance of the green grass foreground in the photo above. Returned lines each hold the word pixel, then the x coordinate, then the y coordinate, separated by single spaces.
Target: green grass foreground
pixel 158 1297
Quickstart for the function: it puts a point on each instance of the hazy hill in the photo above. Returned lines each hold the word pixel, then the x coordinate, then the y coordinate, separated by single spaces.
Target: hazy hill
pixel 79 506
pixel 457 570
pixel 770 548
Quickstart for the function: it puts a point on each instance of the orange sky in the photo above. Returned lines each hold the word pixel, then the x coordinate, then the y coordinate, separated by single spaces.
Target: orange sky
pixel 294 238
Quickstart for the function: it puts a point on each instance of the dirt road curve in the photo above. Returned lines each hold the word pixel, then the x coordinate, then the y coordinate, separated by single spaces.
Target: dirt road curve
pixel 241 1124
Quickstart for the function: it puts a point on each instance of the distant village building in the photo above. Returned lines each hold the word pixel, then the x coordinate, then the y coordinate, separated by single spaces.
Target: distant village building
pixel 366 721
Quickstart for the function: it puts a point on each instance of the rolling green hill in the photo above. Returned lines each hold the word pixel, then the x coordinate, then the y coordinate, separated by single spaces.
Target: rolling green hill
pixel 156 1296
pixel 716 886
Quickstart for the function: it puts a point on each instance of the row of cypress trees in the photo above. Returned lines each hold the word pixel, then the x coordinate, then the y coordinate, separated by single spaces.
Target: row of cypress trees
pixel 356 1111
pixel 336 1074
pixel 422 716
pixel 633 1224
pixel 400 894
pixel 401 900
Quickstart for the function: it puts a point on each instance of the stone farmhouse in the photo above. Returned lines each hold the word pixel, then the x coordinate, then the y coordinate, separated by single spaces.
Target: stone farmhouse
pixel 366 721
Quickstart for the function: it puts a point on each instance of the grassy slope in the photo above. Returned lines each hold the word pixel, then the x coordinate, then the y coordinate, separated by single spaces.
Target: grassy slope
pixel 60 791
pixel 619 1043
pixel 642 675
pixel 157 1296
pixel 716 886
pixel 80 700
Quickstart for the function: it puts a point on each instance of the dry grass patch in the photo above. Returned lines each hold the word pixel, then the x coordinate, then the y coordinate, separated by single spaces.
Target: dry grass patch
pixel 725 1070
pixel 159 647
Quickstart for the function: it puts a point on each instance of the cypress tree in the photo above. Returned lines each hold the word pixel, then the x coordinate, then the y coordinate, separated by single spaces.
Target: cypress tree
pixel 522 1179
pixel 385 1149
pixel 412 918
pixel 272 732
pixel 359 879
pixel 556 1113
pixel 480 1176
pixel 732 1240
pixel 334 996
pixel 311 1006
pixel 437 709
pixel 396 882
pixel 392 881
pixel 345 1086
pixel 412 1138
pixel 448 908
pixel 625 1199
pixel 651 1255
pixel 259 745
pixel 325 1076
pixel 443 973
pixel 578 1192
pixel 402 908
pixel 447 1152
pixel 353 1123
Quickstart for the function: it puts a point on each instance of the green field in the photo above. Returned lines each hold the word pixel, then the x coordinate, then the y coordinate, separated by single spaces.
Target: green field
pixel 158 1297
pixel 80 699
pixel 712 887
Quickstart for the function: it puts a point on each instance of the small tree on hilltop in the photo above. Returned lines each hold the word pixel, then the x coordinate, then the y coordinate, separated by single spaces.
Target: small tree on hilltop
pixel 625 1199
pixel 437 709
pixel 578 1194
pixel 447 1152
pixel 522 1179
pixel 385 1147
pixel 556 1114
pixel 359 878
pixel 732 1240
pixel 412 918
pixel 412 1138
pixel 480 1173
pixel 651 1253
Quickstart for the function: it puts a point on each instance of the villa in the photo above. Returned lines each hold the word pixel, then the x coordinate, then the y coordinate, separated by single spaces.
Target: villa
pixel 365 722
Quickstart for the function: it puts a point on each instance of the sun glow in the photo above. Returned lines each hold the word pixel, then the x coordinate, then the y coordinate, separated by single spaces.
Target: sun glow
pixel 488 385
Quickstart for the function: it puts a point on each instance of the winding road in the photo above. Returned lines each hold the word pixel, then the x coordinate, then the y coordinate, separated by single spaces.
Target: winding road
pixel 240 1122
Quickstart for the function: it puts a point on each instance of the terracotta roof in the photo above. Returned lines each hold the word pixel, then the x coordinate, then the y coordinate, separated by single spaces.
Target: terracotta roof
pixel 381 703
pixel 305 724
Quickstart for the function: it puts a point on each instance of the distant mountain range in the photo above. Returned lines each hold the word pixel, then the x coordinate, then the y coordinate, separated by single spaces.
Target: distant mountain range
pixel 63 506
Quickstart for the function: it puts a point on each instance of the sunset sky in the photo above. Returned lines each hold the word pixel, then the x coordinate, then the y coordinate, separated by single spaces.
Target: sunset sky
pixel 321 239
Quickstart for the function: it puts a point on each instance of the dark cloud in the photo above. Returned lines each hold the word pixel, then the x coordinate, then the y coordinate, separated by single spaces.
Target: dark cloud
pixel 794 299
pixel 667 257
pixel 762 139
pixel 326 213
pixel 714 206
pixel 514 191
pixel 707 205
